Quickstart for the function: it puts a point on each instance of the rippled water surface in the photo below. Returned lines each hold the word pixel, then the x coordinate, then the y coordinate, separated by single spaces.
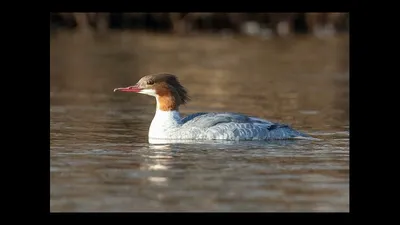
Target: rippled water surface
pixel 100 157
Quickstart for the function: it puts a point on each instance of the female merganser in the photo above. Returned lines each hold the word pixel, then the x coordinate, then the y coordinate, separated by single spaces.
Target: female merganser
pixel 167 123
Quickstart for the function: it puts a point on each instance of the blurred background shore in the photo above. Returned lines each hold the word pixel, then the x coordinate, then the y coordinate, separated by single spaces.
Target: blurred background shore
pixel 255 24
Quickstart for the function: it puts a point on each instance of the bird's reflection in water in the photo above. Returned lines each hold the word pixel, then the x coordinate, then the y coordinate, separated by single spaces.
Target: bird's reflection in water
pixel 157 162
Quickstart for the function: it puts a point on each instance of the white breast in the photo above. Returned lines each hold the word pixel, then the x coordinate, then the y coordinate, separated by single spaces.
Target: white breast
pixel 163 123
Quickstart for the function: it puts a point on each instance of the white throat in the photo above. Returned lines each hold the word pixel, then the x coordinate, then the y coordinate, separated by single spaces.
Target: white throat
pixel 150 92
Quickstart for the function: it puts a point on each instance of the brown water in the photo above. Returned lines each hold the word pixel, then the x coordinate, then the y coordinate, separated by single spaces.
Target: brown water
pixel 100 158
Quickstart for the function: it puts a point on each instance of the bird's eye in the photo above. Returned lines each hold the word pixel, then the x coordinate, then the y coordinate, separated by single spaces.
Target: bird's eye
pixel 150 82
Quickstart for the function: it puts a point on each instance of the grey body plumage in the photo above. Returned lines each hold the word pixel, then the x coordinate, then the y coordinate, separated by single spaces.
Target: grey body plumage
pixel 229 126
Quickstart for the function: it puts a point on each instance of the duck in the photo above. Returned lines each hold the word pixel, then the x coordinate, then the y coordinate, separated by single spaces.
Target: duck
pixel 168 124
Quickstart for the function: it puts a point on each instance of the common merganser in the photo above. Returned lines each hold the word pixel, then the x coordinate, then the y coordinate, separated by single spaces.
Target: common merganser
pixel 168 124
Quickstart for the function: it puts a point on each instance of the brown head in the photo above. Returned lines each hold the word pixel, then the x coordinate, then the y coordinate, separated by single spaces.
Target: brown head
pixel 170 94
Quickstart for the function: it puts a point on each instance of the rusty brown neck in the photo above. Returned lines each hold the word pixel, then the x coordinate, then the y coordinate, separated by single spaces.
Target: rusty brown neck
pixel 167 99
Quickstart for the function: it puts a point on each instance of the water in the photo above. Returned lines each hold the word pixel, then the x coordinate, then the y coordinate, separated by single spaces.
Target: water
pixel 100 157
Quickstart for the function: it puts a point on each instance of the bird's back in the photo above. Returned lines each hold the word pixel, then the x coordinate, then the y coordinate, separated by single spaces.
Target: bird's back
pixel 233 126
